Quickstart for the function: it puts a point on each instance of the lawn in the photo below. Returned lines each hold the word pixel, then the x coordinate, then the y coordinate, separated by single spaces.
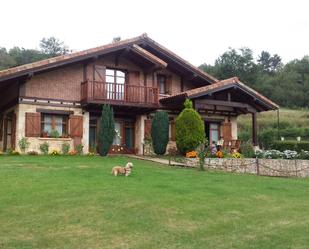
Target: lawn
pixel 74 202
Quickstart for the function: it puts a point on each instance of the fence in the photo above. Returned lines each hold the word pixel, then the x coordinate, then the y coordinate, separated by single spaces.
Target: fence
pixel 265 167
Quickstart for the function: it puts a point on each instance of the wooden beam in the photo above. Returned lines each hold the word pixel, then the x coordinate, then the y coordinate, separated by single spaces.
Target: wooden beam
pixel 254 130
pixel 202 102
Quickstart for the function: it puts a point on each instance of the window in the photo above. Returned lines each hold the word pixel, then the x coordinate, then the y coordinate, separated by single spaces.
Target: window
pixel 161 79
pixel 115 80
pixel 214 132
pixel 53 122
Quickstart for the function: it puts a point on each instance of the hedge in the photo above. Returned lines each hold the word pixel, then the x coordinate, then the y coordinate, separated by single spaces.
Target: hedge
pixel 291 145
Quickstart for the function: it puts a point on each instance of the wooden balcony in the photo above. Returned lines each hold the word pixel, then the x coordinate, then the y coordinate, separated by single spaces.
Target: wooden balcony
pixel 97 92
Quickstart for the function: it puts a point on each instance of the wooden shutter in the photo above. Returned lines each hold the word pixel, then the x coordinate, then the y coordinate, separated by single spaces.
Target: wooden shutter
pixel 13 137
pixel 169 84
pixel 99 73
pixel 173 131
pixel 227 131
pixel 76 126
pixel 147 128
pixel 33 124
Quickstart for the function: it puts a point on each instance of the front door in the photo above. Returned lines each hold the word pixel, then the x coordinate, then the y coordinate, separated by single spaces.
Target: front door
pixel 123 141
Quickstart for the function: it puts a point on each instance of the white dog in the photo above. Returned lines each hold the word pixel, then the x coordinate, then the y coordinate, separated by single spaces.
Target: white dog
pixel 123 170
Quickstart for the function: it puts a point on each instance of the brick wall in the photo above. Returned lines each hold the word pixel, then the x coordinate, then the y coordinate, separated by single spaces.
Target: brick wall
pixel 65 82
pixel 62 83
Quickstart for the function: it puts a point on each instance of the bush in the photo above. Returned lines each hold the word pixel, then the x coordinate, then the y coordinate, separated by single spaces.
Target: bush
pixel 65 148
pixel 245 135
pixel 159 132
pixel 291 145
pixel 106 130
pixel 189 129
pixel 23 144
pixel 79 149
pixel 44 148
pixel 267 138
pixel 247 150
pixel 303 155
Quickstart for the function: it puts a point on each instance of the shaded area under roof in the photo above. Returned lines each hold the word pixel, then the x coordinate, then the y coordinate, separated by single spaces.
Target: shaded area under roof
pixel 258 99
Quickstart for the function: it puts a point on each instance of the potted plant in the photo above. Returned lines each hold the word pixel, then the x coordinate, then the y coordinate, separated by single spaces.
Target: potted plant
pixel 45 134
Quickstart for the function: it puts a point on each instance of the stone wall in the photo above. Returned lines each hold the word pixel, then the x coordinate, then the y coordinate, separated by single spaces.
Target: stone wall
pixel 55 143
pixel 265 167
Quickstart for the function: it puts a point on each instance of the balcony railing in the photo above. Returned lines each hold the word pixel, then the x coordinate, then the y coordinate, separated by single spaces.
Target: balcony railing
pixel 103 92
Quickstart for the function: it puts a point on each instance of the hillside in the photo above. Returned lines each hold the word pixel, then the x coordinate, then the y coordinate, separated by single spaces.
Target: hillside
pixel 292 123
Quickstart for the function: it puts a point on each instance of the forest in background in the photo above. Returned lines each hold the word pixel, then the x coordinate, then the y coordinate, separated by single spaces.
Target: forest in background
pixel 285 84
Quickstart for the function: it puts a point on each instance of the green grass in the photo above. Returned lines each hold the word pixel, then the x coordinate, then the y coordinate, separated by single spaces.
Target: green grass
pixel 74 202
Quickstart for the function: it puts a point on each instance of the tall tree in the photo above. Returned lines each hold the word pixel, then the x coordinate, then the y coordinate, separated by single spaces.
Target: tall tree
pixel 269 63
pixel 106 130
pixel 159 132
pixel 52 47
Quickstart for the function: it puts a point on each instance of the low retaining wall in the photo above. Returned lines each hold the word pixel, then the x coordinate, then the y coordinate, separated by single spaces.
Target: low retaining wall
pixel 265 167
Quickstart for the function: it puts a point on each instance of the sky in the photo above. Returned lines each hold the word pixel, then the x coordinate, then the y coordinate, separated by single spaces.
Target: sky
pixel 198 31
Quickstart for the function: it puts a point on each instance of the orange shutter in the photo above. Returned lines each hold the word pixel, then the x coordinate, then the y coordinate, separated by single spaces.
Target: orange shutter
pixel 173 131
pixel 76 126
pixel 147 130
pixel 33 124
pixel 227 131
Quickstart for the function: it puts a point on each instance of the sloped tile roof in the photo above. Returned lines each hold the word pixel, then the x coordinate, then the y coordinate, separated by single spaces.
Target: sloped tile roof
pixel 78 56
pixel 223 84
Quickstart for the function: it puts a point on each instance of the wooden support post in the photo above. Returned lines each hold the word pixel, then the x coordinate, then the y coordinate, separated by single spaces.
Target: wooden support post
pixel 254 130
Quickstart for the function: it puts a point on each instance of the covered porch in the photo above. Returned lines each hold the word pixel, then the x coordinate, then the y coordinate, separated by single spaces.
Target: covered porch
pixel 219 105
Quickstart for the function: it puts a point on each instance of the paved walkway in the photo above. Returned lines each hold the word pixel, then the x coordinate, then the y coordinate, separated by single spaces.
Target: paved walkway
pixel 158 160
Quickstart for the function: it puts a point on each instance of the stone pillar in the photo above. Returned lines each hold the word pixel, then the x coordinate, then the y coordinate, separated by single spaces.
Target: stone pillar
pixel 234 128
pixel 139 133
pixel 86 123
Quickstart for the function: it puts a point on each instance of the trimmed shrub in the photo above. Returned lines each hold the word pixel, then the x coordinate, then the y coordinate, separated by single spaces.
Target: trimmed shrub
pixel 65 148
pixel 79 149
pixel 291 145
pixel 23 144
pixel 190 130
pixel 159 132
pixel 106 130
pixel 247 150
pixel 44 148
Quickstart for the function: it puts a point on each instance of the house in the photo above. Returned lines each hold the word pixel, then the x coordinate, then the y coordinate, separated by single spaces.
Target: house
pixel 137 77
